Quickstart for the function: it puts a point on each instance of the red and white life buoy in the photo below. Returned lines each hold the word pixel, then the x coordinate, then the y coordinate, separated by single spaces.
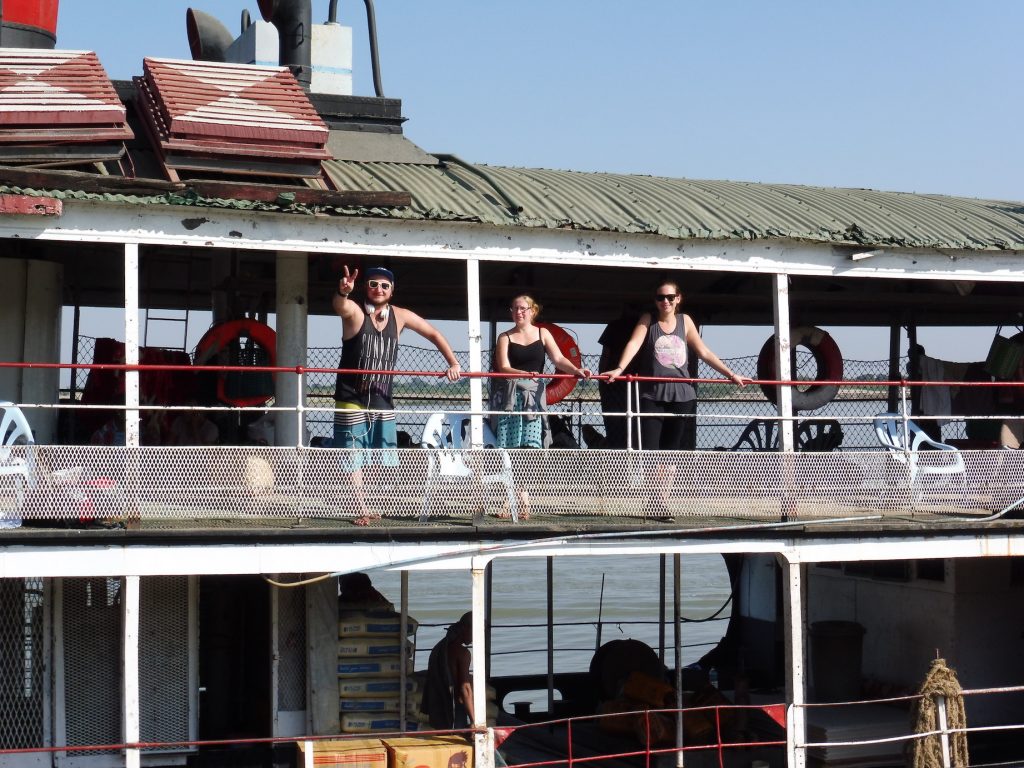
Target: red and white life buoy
pixel 827 357
pixel 220 336
pixel 557 389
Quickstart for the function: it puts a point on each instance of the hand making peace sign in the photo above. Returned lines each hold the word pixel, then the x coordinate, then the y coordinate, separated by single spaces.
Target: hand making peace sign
pixel 347 284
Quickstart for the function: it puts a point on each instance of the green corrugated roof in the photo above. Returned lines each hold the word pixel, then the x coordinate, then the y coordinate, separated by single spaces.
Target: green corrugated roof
pixel 680 209
pixel 687 209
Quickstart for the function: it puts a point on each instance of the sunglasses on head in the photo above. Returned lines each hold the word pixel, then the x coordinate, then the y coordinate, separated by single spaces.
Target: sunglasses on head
pixel 666 297
pixel 382 284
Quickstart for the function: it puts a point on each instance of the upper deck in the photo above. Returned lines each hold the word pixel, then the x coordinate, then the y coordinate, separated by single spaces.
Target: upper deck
pixel 462 240
pixel 736 481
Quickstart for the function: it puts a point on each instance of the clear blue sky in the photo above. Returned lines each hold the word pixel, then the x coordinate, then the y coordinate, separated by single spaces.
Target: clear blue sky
pixel 909 95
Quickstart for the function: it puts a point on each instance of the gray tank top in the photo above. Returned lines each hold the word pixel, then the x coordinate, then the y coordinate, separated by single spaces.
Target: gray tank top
pixel 666 356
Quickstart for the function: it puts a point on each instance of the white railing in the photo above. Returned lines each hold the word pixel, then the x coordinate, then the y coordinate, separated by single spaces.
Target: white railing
pixel 754 482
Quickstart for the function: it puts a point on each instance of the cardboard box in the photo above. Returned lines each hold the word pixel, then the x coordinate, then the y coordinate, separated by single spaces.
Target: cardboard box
pixel 345 753
pixel 429 752
pixel 379 722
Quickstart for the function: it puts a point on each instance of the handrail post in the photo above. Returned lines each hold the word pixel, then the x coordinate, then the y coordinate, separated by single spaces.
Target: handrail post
pixel 940 706
pixel 905 419
pixel 300 404
pixel 629 414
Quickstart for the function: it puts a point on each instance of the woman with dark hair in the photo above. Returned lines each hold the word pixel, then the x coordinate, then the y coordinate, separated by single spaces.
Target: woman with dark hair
pixel 665 337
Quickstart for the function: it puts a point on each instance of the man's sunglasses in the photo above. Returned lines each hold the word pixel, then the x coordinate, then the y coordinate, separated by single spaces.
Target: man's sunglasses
pixel 384 285
pixel 666 296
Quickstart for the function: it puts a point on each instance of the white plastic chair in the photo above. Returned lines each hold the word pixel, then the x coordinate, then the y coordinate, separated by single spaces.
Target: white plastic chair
pixel 905 448
pixel 445 437
pixel 15 430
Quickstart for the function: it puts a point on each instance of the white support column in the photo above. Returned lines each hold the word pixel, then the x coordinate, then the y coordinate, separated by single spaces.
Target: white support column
pixel 483 738
pixel 130 645
pixel 476 386
pixel 796 680
pixel 131 343
pixel 292 306
pixel 783 356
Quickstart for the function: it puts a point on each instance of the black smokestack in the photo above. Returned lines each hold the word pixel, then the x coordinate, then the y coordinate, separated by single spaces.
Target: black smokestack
pixel 208 39
pixel 294 22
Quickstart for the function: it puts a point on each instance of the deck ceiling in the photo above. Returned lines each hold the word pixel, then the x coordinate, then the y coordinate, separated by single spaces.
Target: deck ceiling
pixel 180 277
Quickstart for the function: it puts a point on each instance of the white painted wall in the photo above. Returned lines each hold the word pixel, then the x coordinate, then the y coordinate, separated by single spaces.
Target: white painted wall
pixel 331 54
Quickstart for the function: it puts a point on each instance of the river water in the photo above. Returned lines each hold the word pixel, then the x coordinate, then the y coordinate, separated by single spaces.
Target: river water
pixel 629 609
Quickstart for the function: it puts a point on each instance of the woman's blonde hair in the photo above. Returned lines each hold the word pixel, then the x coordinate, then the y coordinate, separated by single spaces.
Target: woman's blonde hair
pixel 534 306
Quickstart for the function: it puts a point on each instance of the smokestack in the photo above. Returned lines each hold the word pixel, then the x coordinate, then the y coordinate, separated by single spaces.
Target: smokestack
pixel 294 22
pixel 208 39
pixel 28 23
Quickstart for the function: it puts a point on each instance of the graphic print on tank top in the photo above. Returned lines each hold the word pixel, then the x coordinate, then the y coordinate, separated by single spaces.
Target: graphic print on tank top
pixel 670 351
pixel 378 351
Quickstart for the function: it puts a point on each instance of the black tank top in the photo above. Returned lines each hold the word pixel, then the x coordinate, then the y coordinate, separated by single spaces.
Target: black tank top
pixel 526 357
pixel 370 350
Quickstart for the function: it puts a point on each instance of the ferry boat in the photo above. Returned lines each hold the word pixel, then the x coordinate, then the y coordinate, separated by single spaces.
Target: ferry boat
pixel 163 604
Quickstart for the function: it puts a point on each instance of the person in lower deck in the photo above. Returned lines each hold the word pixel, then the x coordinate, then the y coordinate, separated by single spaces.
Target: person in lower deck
pixel 448 689
pixel 523 350
pixel 364 415
pixel 356 591
pixel 664 338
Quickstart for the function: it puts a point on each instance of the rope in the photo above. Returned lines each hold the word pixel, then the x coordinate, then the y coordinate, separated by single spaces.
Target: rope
pixel 926 752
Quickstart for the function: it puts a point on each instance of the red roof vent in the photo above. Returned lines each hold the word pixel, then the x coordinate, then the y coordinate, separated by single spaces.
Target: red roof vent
pixel 230 119
pixel 58 108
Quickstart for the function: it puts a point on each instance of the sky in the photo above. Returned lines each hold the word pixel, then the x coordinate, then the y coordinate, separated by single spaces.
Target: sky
pixel 911 96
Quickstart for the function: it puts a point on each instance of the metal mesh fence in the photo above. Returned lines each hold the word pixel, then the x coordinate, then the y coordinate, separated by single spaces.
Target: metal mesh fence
pixel 723 411
pixel 23 662
pixel 91 627
pixel 731 464
pixel 233 483
pixel 291 644
pixel 164 693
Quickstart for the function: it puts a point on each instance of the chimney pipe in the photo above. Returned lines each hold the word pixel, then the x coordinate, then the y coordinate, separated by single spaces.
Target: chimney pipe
pixel 294 22
pixel 208 39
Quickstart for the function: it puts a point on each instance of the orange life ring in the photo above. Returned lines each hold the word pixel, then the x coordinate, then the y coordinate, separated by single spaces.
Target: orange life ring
pixel 218 337
pixel 827 357
pixel 557 389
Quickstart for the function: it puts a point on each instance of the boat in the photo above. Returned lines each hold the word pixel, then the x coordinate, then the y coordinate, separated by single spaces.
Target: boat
pixel 177 605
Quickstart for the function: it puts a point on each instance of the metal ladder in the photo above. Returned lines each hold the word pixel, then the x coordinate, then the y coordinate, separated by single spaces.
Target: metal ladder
pixel 168 318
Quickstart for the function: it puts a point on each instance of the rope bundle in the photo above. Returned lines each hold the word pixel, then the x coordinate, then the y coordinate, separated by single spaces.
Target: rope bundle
pixel 926 752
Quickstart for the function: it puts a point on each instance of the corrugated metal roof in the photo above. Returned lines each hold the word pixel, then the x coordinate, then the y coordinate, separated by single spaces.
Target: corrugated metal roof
pixel 680 209
pixel 689 209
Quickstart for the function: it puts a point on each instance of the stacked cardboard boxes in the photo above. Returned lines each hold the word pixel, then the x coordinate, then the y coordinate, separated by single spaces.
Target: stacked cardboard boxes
pixel 369 671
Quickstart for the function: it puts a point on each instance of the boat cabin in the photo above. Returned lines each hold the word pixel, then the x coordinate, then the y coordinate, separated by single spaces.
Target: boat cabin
pixel 176 518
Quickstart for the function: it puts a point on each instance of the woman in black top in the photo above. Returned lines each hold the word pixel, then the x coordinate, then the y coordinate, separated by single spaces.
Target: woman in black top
pixel 523 349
